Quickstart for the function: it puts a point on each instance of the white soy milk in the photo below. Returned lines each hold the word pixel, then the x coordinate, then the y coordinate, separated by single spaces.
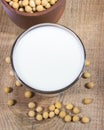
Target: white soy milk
pixel 48 58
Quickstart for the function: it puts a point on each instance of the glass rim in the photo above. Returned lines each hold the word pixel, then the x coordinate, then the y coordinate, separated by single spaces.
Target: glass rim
pixel 41 25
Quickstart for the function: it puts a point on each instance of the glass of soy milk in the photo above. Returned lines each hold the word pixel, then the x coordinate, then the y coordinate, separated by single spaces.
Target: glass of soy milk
pixel 49 58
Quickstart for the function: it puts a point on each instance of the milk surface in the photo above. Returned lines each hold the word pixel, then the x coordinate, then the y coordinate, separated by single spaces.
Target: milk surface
pixel 48 58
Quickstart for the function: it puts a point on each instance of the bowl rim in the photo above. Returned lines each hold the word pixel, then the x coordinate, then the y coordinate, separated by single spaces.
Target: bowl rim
pixel 53 7
pixel 65 87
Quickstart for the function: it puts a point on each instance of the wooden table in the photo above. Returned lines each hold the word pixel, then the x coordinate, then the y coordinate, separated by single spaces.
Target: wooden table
pixel 86 18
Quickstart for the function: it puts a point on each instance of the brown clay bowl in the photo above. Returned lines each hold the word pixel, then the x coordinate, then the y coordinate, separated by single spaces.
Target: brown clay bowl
pixel 26 20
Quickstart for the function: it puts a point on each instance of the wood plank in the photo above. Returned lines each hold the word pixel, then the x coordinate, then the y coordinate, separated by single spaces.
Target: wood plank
pixel 86 18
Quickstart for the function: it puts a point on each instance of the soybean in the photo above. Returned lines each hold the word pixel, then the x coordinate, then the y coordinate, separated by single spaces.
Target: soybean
pixel 56 111
pixel 85 119
pixel 76 110
pixel 86 75
pixel 7 60
pixel 39 109
pixel 58 105
pixel 11 73
pixel 75 118
pixel 45 115
pixel 52 107
pixel 28 94
pixel 31 105
pixel 87 101
pixel 87 63
pixel 31 6
pixel 7 89
pixel 31 113
pixel 11 102
pixel 89 85
pixel 18 84
pixel 67 118
pixel 62 114
pixel 69 106
pixel 39 117
pixel 51 114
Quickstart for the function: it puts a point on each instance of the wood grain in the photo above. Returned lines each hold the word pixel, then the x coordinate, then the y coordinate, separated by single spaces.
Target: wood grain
pixel 86 18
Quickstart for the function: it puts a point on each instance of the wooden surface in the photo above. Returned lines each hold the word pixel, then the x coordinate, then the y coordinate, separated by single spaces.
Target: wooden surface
pixel 86 18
